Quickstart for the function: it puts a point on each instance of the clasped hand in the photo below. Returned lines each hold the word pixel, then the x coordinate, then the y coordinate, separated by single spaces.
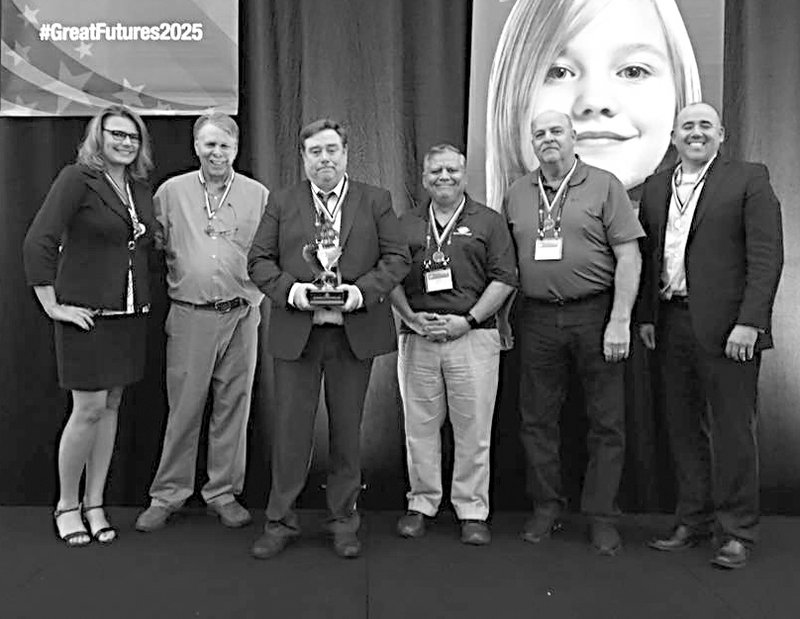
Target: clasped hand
pixel 439 327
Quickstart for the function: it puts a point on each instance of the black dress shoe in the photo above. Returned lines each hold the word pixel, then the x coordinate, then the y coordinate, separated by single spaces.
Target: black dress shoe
pixel 411 524
pixel 475 532
pixel 682 538
pixel 270 545
pixel 605 538
pixel 540 526
pixel 346 545
pixel 732 555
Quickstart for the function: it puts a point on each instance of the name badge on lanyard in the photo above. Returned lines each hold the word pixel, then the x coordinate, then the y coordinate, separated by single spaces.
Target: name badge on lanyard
pixel 549 249
pixel 438 277
pixel 549 244
pixel 438 280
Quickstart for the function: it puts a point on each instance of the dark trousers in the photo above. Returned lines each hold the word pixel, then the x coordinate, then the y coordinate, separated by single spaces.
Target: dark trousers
pixel 297 389
pixel 710 409
pixel 556 340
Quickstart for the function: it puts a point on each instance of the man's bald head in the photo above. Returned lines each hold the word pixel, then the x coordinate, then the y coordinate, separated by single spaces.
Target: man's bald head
pixel 700 107
pixel 550 116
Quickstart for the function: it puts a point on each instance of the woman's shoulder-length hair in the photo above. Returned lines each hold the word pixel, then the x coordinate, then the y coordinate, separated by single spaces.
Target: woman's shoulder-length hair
pixel 90 151
pixel 534 34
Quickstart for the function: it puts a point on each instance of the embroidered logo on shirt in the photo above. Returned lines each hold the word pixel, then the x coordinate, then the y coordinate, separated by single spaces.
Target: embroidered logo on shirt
pixel 462 231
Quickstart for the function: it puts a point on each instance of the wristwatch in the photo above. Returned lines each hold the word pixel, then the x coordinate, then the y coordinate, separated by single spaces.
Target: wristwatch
pixel 471 321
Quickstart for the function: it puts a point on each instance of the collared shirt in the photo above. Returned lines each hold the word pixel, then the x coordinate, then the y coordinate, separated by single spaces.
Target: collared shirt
pixel 480 250
pixel 597 215
pixel 336 196
pixel 207 256
pixel 676 235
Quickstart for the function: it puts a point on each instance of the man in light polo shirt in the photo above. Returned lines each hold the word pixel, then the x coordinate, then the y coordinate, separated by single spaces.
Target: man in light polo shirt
pixel 576 237
pixel 209 218
pixel 463 269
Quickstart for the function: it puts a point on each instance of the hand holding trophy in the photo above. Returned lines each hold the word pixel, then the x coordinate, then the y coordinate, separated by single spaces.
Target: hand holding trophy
pixel 322 255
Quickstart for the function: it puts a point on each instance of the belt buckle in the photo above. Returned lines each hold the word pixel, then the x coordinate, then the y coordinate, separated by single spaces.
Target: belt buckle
pixel 223 307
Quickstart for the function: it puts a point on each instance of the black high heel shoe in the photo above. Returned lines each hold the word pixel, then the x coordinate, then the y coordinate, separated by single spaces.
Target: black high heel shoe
pixel 76 539
pixel 100 535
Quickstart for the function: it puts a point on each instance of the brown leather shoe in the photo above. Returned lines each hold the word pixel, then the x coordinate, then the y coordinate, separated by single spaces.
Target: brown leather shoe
pixel 540 527
pixel 411 524
pixel 605 538
pixel 475 533
pixel 231 515
pixel 270 545
pixel 346 545
pixel 682 537
pixel 732 555
pixel 153 518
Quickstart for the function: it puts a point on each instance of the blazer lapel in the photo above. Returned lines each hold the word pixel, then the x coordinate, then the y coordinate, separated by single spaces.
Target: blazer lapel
pixel 712 183
pixel 663 199
pixel 308 211
pixel 97 181
pixel 350 208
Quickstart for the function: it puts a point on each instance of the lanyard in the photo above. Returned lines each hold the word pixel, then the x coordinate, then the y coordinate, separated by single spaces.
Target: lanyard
pixel 439 239
pixel 546 221
pixel 677 177
pixel 228 185
pixel 322 206
pixel 127 199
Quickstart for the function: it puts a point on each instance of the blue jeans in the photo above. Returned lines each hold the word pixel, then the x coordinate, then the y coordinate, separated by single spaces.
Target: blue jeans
pixel 556 340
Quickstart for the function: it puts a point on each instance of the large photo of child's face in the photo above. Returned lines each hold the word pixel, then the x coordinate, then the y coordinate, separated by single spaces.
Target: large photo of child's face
pixel 620 69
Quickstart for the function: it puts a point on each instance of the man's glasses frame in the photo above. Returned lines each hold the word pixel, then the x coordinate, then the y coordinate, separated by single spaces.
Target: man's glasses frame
pixel 119 136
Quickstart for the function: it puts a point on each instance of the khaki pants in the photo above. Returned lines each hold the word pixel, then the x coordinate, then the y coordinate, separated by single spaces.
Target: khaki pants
pixel 456 379
pixel 206 349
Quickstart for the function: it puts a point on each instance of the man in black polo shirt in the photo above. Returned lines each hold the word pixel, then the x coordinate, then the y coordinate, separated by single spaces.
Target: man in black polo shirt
pixel 463 269
pixel 576 238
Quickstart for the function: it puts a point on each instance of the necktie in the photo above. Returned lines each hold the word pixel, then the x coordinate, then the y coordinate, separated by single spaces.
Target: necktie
pixel 328 202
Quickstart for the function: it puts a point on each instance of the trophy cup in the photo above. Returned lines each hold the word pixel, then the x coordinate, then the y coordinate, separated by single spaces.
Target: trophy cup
pixel 322 255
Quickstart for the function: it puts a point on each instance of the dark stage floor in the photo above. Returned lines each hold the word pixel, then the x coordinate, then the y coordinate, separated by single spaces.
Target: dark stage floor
pixel 196 568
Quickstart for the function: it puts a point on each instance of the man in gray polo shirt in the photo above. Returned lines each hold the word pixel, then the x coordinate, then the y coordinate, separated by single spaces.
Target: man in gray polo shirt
pixel 578 256
pixel 209 218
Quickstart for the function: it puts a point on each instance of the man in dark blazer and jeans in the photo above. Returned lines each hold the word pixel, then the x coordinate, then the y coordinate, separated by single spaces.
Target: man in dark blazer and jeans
pixel 327 212
pixel 711 262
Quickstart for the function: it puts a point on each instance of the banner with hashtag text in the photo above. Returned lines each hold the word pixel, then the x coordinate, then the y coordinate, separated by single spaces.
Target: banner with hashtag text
pixel 159 58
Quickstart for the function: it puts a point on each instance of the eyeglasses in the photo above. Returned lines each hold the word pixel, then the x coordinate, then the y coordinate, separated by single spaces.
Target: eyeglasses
pixel 119 136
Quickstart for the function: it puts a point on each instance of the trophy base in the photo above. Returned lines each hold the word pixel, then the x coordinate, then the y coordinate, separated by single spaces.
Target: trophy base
pixel 326 297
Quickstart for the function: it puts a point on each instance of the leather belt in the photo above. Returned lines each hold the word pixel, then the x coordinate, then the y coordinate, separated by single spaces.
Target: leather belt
pixel 223 307
pixel 553 301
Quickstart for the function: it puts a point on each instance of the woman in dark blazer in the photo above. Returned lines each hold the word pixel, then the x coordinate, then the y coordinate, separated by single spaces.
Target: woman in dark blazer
pixel 86 256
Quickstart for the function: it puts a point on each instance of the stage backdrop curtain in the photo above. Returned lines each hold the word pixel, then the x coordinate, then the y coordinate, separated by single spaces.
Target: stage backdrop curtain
pixel 394 72
pixel 761 94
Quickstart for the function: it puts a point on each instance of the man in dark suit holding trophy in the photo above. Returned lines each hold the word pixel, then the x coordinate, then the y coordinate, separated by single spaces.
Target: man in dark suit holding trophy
pixel 327 253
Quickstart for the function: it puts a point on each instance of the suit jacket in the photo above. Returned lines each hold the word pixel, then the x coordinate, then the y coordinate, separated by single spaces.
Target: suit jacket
pixel 734 252
pixel 375 258
pixel 78 241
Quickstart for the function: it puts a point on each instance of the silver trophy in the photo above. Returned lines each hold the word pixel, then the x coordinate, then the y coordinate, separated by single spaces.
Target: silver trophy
pixel 322 256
